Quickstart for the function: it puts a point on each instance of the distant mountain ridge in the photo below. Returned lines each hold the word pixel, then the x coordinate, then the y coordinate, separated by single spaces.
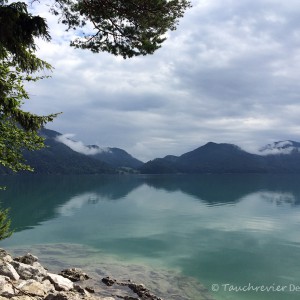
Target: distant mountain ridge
pixel 228 158
pixel 58 158
pixel 116 157
pixel 63 155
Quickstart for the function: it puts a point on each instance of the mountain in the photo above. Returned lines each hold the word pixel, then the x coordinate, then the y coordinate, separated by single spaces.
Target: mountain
pixel 63 155
pixel 226 158
pixel 58 158
pixel 116 157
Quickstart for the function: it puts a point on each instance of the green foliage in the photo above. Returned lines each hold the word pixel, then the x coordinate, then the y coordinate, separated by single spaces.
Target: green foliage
pixel 19 129
pixel 127 28
pixel 5 222
pixel 121 27
pixel 18 29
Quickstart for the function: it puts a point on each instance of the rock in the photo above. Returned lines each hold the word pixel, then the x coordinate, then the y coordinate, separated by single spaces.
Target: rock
pixel 5 256
pixel 64 296
pixel 142 292
pixel 109 281
pixel 90 289
pixel 81 290
pixel 74 274
pixel 36 288
pixel 6 287
pixel 60 283
pixel 8 270
pixel 27 259
pixel 36 271
pixel 23 297
pixel 56 296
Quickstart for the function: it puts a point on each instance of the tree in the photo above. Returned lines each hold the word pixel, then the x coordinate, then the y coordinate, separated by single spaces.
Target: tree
pixel 19 129
pixel 121 27
pixel 5 231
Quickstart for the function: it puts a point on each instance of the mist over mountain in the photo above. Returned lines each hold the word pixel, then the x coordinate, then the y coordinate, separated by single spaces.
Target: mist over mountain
pixel 115 157
pixel 229 158
pixel 281 147
pixel 64 155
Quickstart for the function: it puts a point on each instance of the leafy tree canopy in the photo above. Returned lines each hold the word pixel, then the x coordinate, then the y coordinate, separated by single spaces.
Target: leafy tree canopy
pixel 121 27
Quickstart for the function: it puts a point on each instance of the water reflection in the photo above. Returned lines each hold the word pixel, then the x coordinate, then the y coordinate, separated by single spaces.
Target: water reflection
pixel 43 197
pixel 34 199
pixel 226 188
pixel 216 228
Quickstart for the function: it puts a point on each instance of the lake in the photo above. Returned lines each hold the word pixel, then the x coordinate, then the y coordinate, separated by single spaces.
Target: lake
pixel 184 236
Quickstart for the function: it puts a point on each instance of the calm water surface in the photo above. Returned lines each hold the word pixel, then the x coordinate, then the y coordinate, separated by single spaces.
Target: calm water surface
pixel 223 231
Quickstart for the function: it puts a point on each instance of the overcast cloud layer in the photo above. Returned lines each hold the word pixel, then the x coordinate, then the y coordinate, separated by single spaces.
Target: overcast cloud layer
pixel 230 73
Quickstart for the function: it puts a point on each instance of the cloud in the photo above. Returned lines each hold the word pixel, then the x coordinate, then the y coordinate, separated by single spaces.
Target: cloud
pixel 228 74
pixel 78 146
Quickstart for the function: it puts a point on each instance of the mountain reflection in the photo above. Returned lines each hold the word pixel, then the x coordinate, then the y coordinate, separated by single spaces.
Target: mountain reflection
pixel 35 199
pixel 228 188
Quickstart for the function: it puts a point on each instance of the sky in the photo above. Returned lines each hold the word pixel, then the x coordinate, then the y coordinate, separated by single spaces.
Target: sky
pixel 229 74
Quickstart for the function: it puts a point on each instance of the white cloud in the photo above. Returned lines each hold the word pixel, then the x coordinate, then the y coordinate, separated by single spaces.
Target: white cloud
pixel 228 74
pixel 78 146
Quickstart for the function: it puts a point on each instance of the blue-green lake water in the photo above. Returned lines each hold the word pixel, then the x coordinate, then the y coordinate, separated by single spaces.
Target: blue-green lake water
pixel 219 232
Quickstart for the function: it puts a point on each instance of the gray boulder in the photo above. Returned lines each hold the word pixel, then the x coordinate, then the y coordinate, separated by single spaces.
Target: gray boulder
pixel 36 271
pixel 60 283
pixel 6 269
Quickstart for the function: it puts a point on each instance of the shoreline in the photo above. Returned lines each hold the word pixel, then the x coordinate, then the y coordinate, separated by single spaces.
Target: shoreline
pixel 96 287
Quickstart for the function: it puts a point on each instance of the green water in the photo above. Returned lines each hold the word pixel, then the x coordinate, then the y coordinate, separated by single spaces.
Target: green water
pixel 222 231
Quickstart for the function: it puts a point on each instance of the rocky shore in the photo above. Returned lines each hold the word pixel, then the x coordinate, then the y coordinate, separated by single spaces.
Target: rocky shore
pixel 24 278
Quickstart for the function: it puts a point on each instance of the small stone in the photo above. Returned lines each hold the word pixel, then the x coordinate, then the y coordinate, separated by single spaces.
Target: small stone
pixel 90 289
pixel 5 256
pixel 57 296
pixel 81 290
pixel 74 274
pixel 60 283
pixel 27 259
pixel 108 281
pixel 64 296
